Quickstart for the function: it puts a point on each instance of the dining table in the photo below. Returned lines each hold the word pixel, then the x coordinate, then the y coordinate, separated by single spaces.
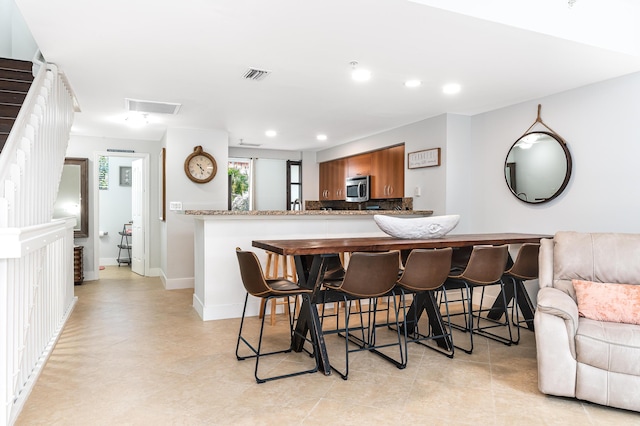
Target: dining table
pixel 312 256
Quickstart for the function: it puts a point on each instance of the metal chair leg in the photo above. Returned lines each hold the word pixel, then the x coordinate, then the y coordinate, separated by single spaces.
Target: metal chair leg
pixel 257 352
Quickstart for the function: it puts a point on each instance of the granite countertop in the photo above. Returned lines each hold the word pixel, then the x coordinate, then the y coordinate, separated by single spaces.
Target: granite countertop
pixel 307 212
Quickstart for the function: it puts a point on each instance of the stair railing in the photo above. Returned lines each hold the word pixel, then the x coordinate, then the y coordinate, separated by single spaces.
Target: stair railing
pixel 36 252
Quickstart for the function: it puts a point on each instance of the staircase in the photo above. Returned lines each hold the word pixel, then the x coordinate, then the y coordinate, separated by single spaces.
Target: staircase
pixel 36 252
pixel 15 80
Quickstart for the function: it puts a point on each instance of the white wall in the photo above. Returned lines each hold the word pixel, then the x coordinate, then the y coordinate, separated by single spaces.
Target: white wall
pixel 115 211
pixel 16 41
pixel 457 160
pixel 178 255
pixel 599 124
pixel 238 152
pixel 6 7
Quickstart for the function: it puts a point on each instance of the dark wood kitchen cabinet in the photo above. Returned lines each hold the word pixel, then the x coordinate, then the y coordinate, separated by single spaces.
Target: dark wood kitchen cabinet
pixel 387 177
pixel 386 168
pixel 359 165
pixel 332 179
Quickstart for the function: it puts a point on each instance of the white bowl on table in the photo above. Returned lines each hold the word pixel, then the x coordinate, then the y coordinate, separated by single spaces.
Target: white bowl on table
pixel 416 227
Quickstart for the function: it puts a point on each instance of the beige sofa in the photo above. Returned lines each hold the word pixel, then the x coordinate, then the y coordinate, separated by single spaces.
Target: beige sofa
pixel 587 359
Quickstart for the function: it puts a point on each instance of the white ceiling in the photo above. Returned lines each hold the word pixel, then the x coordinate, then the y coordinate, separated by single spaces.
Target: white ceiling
pixel 194 52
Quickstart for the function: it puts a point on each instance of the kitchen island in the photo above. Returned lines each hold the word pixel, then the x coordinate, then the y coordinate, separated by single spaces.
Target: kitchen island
pixel 218 289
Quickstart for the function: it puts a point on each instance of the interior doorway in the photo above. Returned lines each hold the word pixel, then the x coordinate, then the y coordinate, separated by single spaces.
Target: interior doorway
pixel 116 211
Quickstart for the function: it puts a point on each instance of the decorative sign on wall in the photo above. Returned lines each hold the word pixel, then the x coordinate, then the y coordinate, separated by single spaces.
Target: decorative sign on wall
pixel 425 158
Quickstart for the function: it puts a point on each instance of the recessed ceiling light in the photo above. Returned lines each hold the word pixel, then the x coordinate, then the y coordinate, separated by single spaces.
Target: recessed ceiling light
pixel 359 74
pixel 451 88
pixel 321 137
pixel 137 119
pixel 412 83
pixel 271 133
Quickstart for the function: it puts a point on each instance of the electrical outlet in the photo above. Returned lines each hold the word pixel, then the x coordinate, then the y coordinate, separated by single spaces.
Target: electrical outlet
pixel 175 205
pixel 416 191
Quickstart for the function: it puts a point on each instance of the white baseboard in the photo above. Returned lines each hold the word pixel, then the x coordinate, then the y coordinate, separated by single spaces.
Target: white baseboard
pixel 210 313
pixel 233 310
pixel 91 275
pixel 108 261
pixel 176 283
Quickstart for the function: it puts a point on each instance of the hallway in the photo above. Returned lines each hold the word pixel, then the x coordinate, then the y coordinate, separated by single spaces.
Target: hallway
pixel 133 353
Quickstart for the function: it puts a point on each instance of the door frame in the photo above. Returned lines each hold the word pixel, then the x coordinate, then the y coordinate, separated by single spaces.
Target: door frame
pixel 96 205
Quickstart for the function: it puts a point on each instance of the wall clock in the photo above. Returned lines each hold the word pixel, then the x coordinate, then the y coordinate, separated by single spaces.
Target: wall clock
pixel 200 166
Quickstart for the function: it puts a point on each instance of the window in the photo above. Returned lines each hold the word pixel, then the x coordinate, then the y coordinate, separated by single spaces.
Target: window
pixel 239 170
pixel 294 185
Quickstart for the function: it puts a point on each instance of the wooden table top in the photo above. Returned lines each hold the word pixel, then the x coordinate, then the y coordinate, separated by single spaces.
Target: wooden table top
pixel 338 245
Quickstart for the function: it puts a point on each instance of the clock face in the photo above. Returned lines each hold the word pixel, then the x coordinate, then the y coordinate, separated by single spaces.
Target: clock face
pixel 200 166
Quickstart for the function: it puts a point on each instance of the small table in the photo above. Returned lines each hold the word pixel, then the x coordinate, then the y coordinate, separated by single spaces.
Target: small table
pixel 311 254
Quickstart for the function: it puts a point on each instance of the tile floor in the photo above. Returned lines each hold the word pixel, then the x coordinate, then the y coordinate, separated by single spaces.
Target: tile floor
pixel 133 353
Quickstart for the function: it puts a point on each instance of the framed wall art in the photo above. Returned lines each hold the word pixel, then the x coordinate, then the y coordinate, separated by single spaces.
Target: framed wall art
pixel 424 158
pixel 125 176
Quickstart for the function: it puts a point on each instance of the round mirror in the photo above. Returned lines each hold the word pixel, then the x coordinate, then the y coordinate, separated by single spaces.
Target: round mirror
pixel 538 167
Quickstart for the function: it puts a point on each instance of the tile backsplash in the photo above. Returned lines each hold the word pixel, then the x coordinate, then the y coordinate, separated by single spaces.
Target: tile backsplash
pixel 390 204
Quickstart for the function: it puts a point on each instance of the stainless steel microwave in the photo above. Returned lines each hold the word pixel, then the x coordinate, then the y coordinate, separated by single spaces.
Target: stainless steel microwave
pixel 358 188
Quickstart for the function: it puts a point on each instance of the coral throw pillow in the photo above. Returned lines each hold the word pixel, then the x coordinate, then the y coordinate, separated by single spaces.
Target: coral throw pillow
pixel 608 302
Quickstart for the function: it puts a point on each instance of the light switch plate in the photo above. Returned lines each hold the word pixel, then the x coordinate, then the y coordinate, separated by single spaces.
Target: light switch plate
pixel 175 205
pixel 416 191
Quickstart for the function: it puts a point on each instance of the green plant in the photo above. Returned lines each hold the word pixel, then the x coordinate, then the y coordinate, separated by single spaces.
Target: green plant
pixel 239 181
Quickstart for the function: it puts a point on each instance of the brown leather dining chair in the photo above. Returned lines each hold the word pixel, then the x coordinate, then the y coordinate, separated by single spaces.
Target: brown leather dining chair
pixel 523 269
pixel 256 285
pixel 369 276
pixel 424 273
pixel 485 268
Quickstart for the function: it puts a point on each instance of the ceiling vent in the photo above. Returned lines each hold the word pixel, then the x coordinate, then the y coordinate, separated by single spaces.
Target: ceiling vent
pixel 255 74
pixel 243 143
pixel 151 106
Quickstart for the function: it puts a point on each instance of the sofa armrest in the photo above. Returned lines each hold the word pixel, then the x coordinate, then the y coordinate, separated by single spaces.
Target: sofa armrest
pixel 556 323
pixel 545 263
pixel 555 302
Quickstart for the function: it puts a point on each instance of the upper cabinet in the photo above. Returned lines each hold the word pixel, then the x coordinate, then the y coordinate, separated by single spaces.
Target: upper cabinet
pixel 359 165
pixel 332 179
pixel 388 179
pixel 386 168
